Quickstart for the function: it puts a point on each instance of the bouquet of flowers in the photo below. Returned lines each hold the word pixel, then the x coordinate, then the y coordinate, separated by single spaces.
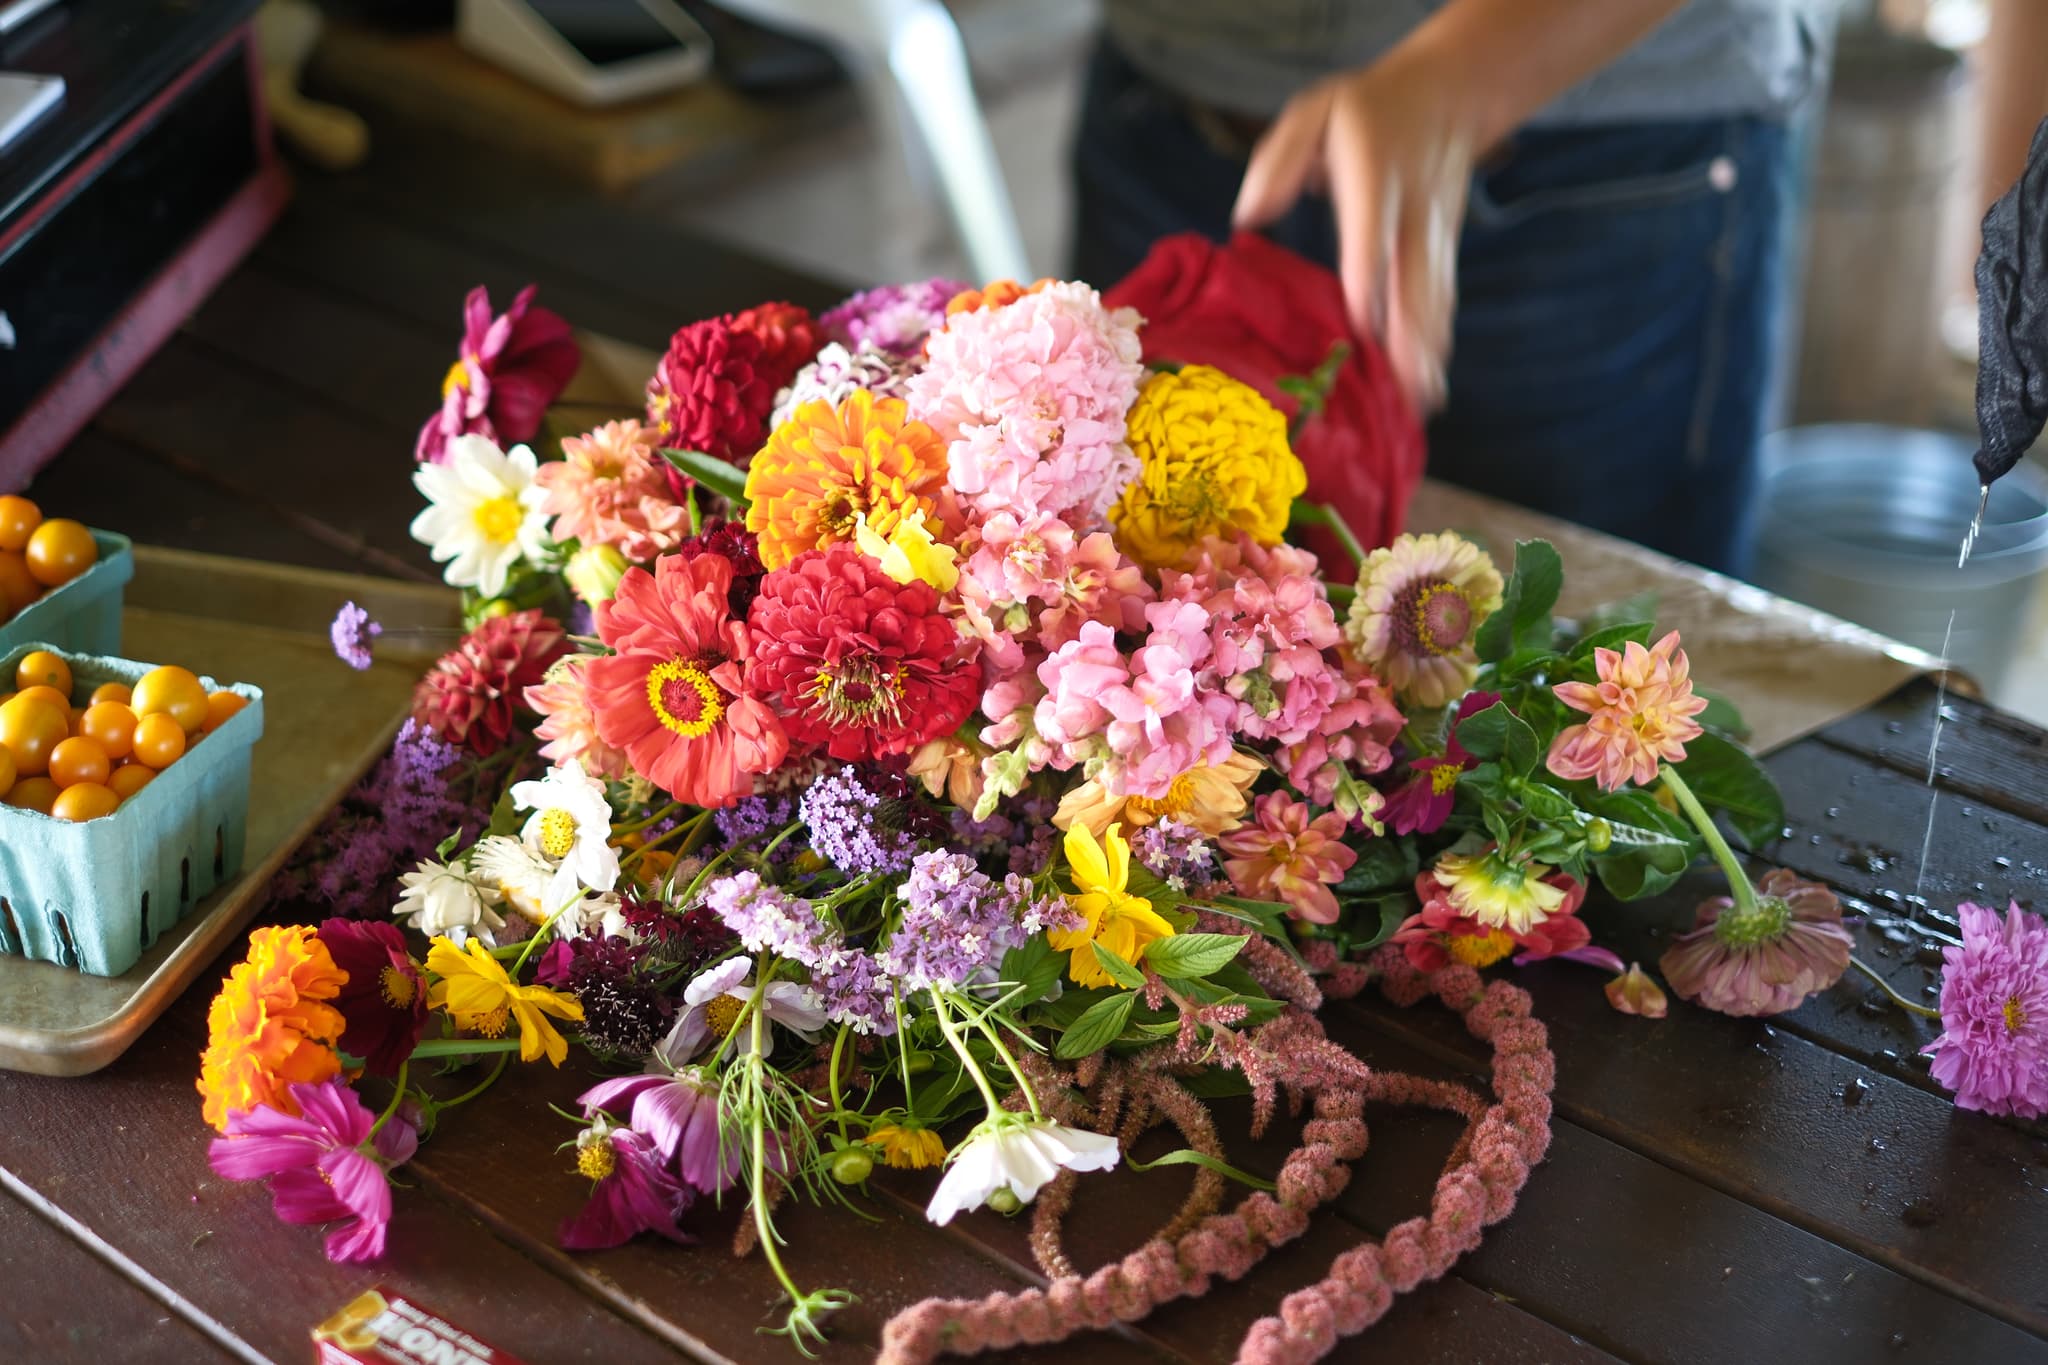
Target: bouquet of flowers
pixel 925 735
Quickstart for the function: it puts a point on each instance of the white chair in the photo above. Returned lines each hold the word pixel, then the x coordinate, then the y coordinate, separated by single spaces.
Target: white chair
pixel 907 61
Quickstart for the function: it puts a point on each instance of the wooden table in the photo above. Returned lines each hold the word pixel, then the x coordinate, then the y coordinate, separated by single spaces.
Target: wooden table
pixel 1717 1190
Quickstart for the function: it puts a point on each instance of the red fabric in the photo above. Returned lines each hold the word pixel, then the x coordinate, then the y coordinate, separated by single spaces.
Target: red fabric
pixel 1259 312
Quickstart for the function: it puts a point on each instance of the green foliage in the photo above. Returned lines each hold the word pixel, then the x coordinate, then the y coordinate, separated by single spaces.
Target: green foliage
pixel 722 477
pixel 1033 969
pixel 1192 955
pixel 1120 971
pixel 1523 621
pixel 1382 863
pixel 1101 1024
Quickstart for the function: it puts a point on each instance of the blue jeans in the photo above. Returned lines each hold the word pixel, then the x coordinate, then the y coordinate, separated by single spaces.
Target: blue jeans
pixel 1617 288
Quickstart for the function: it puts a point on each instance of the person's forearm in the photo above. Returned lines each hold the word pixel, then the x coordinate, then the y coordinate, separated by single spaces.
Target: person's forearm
pixel 1521 54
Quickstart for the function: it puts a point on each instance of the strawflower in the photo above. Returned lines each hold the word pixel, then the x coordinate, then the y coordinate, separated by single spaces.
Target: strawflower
pixel 479 996
pixel 1766 960
pixel 1639 715
pixel 1018 1154
pixel 272 1026
pixel 1291 855
pixel 568 726
pixel 714 1001
pixel 384 999
pixel 630 1192
pixel 323 1163
pixel 827 469
pixel 1419 603
pixel 1110 914
pixel 469 697
pixel 483 513
pixel 1993 1050
pixel 354 636
pixel 507 371
pixel 571 826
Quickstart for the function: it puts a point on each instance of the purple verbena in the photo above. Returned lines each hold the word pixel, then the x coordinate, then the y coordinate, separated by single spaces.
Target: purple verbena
pixel 844 818
pixel 768 918
pixel 751 818
pixel 1178 854
pixel 354 635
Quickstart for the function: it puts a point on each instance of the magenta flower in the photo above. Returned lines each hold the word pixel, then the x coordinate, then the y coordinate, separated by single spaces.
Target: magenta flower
pixel 678 1112
pixel 1422 804
pixel 1767 961
pixel 384 999
pixel 509 369
pixel 1993 1050
pixel 632 1193
pixel 323 1165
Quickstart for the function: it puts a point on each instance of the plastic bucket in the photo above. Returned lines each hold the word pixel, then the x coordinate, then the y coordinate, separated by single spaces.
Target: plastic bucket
pixel 84 614
pixel 1866 522
pixel 94 895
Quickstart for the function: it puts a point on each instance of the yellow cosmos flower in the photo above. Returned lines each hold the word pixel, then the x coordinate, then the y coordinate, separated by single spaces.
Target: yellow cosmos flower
pixel 907 1147
pixel 1499 894
pixel 1213 461
pixel 475 990
pixel 908 552
pixel 1116 919
pixel 1211 799
pixel 826 467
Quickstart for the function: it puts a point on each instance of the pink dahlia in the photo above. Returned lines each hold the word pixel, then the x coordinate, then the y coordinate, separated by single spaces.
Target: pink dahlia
pixel 323 1165
pixel 1285 854
pixel 673 696
pixel 862 666
pixel 468 697
pixel 1765 961
pixel 712 392
pixel 509 369
pixel 1639 714
pixel 569 725
pixel 1993 1050
pixel 895 317
pixel 608 489
pixel 1422 803
pixel 1445 932
pixel 1031 398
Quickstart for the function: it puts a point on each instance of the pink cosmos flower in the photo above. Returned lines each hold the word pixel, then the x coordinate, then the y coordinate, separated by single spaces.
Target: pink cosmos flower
pixel 1286 856
pixel 323 1165
pixel 1639 713
pixel 631 1192
pixel 1993 1050
pixel 608 489
pixel 568 723
pixel 1423 803
pixel 1767 961
pixel 677 1109
pixel 509 369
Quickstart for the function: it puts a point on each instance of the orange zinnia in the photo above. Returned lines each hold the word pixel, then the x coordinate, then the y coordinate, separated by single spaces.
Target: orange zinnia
pixel 826 468
pixel 270 1026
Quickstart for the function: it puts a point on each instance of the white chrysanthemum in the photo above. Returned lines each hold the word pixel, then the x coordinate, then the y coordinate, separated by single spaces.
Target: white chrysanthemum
pixel 1015 1153
pixel 447 902
pixel 836 373
pixel 484 513
pixel 571 827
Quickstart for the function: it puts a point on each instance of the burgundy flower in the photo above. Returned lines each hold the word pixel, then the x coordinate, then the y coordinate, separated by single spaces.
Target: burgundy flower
pixel 712 392
pixel 1766 961
pixel 734 543
pixel 632 1192
pixel 788 335
pixel 468 697
pixel 384 1000
pixel 1423 803
pixel 508 370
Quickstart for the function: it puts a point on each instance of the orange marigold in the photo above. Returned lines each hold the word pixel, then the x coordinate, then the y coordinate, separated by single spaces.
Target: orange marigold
pixel 271 1025
pixel 996 295
pixel 826 469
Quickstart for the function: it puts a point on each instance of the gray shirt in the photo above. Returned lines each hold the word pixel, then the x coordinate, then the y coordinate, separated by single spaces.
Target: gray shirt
pixel 1249 56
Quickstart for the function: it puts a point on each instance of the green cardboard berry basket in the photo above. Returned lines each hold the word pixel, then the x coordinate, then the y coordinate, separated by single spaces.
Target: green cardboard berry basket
pixel 84 614
pixel 95 895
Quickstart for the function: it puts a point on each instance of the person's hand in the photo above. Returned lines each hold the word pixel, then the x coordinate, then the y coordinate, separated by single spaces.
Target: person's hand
pixel 1394 145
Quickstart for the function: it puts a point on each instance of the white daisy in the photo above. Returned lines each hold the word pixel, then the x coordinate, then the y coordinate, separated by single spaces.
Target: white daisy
pixel 1017 1153
pixel 713 1002
pixel 571 827
pixel 526 881
pixel 445 901
pixel 484 512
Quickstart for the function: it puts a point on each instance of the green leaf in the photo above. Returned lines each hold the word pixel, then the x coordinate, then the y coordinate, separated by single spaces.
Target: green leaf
pixel 1099 1026
pixel 1722 716
pixel 505 818
pixel 1034 968
pixel 1120 971
pixel 1726 777
pixel 1382 863
pixel 1392 911
pixel 1612 637
pixel 1188 1156
pixel 1650 849
pixel 1192 955
pixel 1523 620
pixel 722 477
pixel 1485 733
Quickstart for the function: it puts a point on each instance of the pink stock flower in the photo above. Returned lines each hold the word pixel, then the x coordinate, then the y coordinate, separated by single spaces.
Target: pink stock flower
pixel 1766 961
pixel 1075 676
pixel 323 1165
pixel 631 1191
pixel 1445 932
pixel 508 370
pixel 608 489
pixel 1639 713
pixel 1356 732
pixel 568 723
pixel 1284 855
pixel 1993 1050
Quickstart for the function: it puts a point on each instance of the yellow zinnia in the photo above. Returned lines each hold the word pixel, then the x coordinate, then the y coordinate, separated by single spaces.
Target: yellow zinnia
pixel 1113 917
pixel 827 470
pixel 475 990
pixel 1213 461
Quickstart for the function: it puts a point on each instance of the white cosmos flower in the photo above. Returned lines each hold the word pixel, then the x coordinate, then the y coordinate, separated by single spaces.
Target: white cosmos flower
pixel 1017 1153
pixel 448 902
pixel 712 1004
pixel 483 513
pixel 571 827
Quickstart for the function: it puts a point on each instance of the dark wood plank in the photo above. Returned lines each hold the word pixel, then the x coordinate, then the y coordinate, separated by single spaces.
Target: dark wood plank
pixel 1985 754
pixel 66 1304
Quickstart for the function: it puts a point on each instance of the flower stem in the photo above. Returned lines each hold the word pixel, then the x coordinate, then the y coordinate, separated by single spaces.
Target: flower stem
pixel 1325 514
pixel 1901 1001
pixel 670 809
pixel 758 1123
pixel 959 1046
pixel 1738 880
pixel 832 1080
pixel 542 934
pixel 462 1047
pixel 1016 1072
pixel 485 1084
pixel 397 1097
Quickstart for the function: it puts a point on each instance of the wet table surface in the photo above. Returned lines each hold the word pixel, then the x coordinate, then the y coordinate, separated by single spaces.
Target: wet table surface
pixel 1717 1189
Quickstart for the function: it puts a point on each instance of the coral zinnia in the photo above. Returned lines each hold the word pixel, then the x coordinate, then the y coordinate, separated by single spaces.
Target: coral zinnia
pixel 1768 960
pixel 1993 1051
pixel 825 469
pixel 672 697
pixel 1443 932
pixel 1110 915
pixel 861 665
pixel 271 1026
pixel 1639 714
pixel 1285 855
pixel 711 392
pixel 385 998
pixel 1420 602
pixel 467 698
pixel 788 335
pixel 1213 461
pixel 508 370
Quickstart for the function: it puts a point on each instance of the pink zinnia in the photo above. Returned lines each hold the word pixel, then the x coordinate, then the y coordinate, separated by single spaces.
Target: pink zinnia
pixel 1640 713
pixel 1768 960
pixel 323 1165
pixel 509 369
pixel 569 725
pixel 608 489
pixel 1993 1050
pixel 1286 856
pixel 1442 933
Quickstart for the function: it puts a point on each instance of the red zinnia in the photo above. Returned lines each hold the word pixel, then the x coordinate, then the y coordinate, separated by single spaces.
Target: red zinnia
pixel 672 696
pixel 712 391
pixel 467 698
pixel 384 999
pixel 861 664
pixel 788 335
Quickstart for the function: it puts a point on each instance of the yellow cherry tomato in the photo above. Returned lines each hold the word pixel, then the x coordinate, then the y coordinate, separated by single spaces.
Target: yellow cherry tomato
pixel 79 760
pixel 111 725
pixel 220 707
pixel 159 741
pixel 6 769
pixel 18 521
pixel 131 778
pixel 18 587
pixel 85 801
pixel 53 697
pixel 113 691
pixel 171 691
pixel 39 667
pixel 33 793
pixel 60 550
pixel 30 728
